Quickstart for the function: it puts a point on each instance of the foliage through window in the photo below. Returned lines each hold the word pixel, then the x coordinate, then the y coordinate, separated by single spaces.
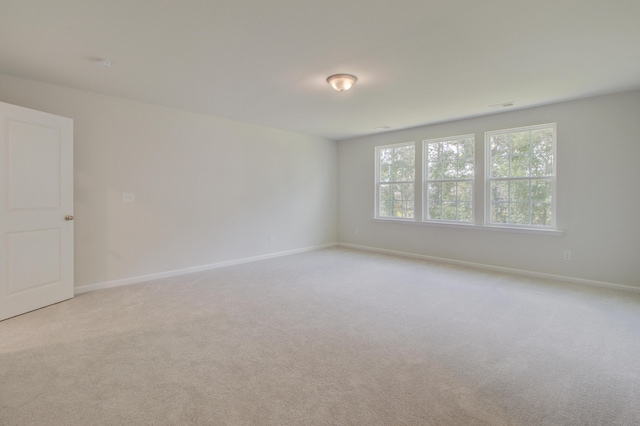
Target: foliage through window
pixel 519 188
pixel 449 178
pixel 395 180
pixel 521 176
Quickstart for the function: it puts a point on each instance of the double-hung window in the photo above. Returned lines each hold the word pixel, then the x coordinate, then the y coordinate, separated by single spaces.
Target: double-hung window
pixel 395 181
pixel 449 165
pixel 517 190
pixel 521 177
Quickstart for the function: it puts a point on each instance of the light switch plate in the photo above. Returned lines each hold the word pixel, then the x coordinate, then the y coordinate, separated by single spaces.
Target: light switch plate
pixel 128 197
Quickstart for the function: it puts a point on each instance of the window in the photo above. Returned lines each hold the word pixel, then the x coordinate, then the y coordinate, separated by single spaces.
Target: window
pixel 521 170
pixel 517 189
pixel 449 178
pixel 395 180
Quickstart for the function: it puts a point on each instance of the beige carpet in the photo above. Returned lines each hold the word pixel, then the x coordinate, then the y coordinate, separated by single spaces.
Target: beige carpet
pixel 332 337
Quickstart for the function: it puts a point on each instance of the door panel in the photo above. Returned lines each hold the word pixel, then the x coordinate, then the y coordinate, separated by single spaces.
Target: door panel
pixel 33 176
pixel 24 249
pixel 36 242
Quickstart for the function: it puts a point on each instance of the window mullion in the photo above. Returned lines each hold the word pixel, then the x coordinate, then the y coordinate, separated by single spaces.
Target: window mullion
pixel 442 158
pixel 522 207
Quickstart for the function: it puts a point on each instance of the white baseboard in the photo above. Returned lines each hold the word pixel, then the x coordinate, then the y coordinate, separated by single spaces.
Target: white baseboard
pixel 496 268
pixel 142 278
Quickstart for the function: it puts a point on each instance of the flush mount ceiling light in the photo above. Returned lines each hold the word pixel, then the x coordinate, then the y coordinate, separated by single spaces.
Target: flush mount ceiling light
pixel 342 82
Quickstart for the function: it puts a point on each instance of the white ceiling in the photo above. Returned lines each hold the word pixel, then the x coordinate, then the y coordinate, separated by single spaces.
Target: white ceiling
pixel 265 62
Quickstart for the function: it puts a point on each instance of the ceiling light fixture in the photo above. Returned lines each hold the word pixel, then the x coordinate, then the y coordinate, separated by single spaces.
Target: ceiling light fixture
pixel 342 82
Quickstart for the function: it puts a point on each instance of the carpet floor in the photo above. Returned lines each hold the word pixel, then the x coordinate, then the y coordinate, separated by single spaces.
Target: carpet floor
pixel 331 337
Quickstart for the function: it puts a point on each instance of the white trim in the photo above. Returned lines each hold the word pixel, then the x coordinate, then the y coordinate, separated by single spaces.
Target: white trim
pixel 451 138
pixel 142 278
pixel 472 226
pixel 483 266
pixel 377 182
pixel 488 179
pixel 424 189
pixel 396 145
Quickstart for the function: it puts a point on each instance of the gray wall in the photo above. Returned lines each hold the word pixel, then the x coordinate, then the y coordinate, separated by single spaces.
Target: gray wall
pixel 207 189
pixel 598 199
pixel 210 190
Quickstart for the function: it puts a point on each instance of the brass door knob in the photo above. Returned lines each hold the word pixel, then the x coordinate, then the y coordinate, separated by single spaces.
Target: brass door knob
pixel 68 217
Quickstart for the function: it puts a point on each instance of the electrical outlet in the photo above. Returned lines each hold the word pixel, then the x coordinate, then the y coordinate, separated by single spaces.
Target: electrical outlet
pixel 566 255
pixel 356 231
pixel 272 238
pixel 128 197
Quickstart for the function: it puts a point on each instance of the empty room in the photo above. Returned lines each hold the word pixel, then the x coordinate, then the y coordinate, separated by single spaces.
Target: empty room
pixel 319 213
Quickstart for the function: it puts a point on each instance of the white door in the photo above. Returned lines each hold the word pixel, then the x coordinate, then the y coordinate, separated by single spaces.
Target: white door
pixel 36 208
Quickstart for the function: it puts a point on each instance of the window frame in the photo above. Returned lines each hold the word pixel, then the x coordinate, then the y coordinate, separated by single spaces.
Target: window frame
pixel 426 180
pixel 488 179
pixel 378 182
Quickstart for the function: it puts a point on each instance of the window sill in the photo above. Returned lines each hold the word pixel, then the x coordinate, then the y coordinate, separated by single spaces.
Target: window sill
pixel 539 231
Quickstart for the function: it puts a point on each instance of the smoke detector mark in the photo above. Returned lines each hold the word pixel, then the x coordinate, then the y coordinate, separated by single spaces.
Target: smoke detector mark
pixel 101 62
pixel 503 105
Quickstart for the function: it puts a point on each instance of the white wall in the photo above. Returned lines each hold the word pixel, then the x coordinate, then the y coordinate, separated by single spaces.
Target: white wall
pixel 598 194
pixel 210 190
pixel 207 189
